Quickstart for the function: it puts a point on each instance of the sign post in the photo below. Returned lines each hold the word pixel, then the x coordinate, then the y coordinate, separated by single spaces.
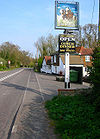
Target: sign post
pixel 67 71
pixel 67 18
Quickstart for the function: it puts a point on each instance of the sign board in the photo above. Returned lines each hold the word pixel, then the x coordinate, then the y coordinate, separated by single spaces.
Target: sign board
pixel 9 62
pixel 66 43
pixel 66 15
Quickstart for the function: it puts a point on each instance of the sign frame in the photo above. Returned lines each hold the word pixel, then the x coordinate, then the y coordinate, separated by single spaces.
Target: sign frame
pixel 76 15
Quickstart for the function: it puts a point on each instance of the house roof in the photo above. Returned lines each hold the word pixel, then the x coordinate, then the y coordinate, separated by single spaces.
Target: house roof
pixel 48 60
pixel 73 60
pixel 84 51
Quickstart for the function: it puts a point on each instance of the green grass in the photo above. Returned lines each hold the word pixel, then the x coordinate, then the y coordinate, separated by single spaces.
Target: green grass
pixel 74 117
pixel 7 69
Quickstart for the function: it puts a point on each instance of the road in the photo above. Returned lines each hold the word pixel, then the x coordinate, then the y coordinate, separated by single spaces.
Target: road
pixel 14 85
pixel 23 92
pixel 12 88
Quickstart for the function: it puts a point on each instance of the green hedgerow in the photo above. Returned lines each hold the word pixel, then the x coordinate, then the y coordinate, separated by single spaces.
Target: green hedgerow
pixel 74 117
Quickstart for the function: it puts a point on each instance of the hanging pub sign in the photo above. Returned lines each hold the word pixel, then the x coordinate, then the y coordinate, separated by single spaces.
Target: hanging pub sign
pixel 66 15
pixel 66 43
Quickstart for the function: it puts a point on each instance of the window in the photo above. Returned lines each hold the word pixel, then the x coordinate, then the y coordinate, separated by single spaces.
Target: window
pixel 87 58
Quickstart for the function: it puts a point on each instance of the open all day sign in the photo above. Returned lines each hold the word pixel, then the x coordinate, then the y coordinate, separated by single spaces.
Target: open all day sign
pixel 66 43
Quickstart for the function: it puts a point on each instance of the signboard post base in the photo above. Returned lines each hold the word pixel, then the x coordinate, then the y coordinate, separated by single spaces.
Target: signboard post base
pixel 67 85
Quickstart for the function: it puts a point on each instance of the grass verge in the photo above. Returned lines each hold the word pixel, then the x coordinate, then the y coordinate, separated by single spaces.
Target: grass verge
pixel 74 117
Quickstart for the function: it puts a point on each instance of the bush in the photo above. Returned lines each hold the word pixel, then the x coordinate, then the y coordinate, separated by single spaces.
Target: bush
pixel 40 63
pixel 2 64
pixel 95 72
pixel 74 117
pixel 95 78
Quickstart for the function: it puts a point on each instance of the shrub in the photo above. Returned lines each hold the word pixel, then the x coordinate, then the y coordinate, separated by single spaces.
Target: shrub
pixel 40 63
pixel 74 117
pixel 95 78
pixel 2 64
pixel 95 72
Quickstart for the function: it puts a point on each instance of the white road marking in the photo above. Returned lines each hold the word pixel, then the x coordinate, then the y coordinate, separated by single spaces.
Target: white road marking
pixel 40 88
pixel 26 88
pixel 14 129
pixel 2 79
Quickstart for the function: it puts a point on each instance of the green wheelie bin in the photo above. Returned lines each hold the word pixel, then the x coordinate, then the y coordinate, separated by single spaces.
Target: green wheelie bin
pixel 73 76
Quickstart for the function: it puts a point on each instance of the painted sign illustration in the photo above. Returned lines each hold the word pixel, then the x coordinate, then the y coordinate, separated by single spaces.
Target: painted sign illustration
pixel 66 15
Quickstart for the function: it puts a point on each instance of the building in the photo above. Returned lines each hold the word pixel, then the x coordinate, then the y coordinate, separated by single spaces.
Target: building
pixel 75 63
pixel 79 61
pixel 46 65
pixel 86 55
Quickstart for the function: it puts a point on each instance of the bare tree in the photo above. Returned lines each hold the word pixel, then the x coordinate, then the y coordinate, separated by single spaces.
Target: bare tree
pixel 52 43
pixel 87 36
pixel 46 46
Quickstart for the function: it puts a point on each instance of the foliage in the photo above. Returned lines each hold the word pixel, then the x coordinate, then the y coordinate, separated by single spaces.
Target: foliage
pixel 74 117
pixel 46 46
pixel 87 36
pixel 40 60
pixel 95 77
pixel 2 64
pixel 12 52
pixel 95 72
pixel 38 64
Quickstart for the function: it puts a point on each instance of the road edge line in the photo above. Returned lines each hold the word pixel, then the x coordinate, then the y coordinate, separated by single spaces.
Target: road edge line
pixel 40 88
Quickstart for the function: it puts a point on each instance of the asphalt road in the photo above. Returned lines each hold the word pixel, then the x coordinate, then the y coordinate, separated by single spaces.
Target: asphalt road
pixel 22 96
pixel 12 88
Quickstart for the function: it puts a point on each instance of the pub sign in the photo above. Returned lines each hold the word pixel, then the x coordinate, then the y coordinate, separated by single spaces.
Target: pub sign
pixel 66 15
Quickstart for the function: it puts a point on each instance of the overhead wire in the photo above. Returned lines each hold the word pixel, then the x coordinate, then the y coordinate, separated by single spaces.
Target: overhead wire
pixel 50 29
pixel 93 12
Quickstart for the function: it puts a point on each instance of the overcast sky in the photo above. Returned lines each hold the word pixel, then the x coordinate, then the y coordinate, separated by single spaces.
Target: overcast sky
pixel 22 22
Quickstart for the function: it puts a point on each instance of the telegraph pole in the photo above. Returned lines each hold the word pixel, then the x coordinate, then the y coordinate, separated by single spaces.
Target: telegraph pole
pixel 99 23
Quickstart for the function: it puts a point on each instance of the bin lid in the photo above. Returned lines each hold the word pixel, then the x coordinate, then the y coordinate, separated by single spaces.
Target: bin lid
pixel 73 71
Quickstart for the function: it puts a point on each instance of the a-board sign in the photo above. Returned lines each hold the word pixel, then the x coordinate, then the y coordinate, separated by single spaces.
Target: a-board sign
pixel 67 43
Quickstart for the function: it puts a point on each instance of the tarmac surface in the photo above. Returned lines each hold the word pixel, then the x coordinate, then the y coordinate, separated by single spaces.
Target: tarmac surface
pixel 32 121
